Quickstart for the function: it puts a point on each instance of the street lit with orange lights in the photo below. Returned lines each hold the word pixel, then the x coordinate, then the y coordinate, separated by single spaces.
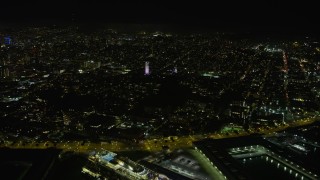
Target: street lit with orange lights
pixel 153 145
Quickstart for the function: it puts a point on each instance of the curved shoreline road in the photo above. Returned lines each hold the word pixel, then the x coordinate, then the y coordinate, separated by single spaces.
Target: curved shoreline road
pixel 145 145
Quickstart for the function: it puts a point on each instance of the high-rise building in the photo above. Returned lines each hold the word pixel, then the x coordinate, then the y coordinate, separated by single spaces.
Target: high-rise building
pixel 146 68
pixel 7 40
pixel 4 72
pixel 175 70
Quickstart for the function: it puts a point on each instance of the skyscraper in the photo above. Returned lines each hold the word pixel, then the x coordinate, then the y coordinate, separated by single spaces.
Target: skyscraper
pixel 175 70
pixel 7 40
pixel 146 68
pixel 4 72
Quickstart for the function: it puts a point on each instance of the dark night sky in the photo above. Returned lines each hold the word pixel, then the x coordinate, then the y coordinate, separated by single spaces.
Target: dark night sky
pixel 295 16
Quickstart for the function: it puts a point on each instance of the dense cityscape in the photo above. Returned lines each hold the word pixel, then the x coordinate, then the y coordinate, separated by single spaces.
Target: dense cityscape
pixel 159 105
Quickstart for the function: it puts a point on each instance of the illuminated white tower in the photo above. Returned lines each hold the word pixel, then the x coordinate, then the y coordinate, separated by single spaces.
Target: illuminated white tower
pixel 146 68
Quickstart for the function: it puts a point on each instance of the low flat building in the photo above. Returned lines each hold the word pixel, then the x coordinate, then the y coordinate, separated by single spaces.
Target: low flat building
pixel 250 158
